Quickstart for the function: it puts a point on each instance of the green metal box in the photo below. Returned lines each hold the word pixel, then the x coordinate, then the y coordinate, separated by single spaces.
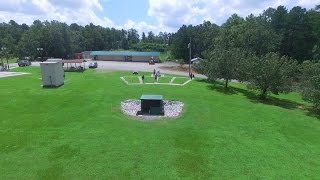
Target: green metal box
pixel 152 104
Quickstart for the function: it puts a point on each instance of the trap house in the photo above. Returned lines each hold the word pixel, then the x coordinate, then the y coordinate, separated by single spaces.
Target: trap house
pixel 152 105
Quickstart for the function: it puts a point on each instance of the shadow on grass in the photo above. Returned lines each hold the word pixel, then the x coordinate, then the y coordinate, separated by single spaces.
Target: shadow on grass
pixel 254 98
pixel 222 89
pixel 52 87
pixel 313 112
pixel 218 86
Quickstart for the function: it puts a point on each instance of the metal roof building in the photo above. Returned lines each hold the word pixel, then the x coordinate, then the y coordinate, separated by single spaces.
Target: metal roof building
pixel 125 56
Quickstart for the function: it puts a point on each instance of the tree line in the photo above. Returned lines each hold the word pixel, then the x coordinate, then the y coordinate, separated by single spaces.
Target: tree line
pixel 60 40
pixel 294 33
pixel 275 52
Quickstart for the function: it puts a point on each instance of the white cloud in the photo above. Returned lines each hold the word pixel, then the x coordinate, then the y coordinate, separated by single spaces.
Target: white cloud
pixel 139 26
pixel 142 26
pixel 69 11
pixel 168 15
pixel 82 4
pixel 20 6
pixel 174 13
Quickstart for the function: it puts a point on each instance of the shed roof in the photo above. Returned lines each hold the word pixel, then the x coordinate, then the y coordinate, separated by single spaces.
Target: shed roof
pixel 124 53
pixel 54 59
pixel 151 97
pixel 49 62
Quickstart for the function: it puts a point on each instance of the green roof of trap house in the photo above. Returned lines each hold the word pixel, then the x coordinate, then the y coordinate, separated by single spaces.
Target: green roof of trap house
pixel 151 97
pixel 124 53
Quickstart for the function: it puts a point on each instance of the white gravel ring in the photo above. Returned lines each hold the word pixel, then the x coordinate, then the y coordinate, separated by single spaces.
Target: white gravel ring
pixel 172 109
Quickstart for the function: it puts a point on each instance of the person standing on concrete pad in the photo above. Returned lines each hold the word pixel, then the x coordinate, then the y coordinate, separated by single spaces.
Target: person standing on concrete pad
pixel 142 78
pixel 156 77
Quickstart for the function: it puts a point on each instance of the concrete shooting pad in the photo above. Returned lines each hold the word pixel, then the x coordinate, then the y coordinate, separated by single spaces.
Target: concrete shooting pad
pixel 9 74
pixel 171 81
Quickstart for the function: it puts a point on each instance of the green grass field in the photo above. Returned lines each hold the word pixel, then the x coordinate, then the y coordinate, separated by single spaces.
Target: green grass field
pixel 78 132
pixel 164 79
pixel 180 80
pixel 148 79
pixel 132 79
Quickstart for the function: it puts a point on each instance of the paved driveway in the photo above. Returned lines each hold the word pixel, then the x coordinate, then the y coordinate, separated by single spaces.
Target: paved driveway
pixel 8 74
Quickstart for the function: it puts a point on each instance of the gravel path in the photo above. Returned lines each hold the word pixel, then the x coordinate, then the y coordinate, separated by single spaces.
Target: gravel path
pixel 136 66
pixel 171 109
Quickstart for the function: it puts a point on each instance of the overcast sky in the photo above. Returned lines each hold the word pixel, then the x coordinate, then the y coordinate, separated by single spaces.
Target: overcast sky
pixel 143 15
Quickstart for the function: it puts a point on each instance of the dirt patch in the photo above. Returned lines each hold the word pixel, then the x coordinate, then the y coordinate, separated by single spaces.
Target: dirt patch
pixel 184 68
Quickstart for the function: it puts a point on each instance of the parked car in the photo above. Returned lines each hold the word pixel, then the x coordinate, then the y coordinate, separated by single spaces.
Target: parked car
pixel 24 63
pixel 93 65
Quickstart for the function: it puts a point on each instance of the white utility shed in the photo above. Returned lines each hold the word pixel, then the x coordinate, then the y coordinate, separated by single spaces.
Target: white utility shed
pixel 52 74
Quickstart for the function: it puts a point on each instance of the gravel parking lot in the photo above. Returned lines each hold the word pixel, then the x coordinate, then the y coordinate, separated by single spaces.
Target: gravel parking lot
pixel 136 66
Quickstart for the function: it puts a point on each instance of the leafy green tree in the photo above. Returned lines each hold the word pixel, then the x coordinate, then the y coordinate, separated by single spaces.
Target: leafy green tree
pixel 298 38
pixel 151 37
pixel 314 17
pixel 270 73
pixel 179 46
pixel 202 37
pixel 310 82
pixel 251 34
pixel 316 52
pixel 230 33
pixel 222 64
pixel 276 18
pixel 233 20
pixel 143 37
pixel 28 46
pixel 133 37
pixel 77 41
pixel 257 37
pixel 149 47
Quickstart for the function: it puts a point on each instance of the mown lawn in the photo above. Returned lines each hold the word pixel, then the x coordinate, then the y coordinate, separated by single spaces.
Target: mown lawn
pixel 148 79
pixel 78 132
pixel 132 79
pixel 164 79
pixel 180 80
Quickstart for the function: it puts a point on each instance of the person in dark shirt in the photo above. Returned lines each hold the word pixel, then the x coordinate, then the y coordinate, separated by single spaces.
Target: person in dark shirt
pixel 156 77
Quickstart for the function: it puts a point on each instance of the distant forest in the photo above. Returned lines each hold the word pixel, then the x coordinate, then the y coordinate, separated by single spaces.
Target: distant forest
pixel 294 33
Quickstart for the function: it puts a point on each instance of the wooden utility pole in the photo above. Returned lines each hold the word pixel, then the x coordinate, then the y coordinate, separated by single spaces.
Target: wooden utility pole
pixel 189 45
